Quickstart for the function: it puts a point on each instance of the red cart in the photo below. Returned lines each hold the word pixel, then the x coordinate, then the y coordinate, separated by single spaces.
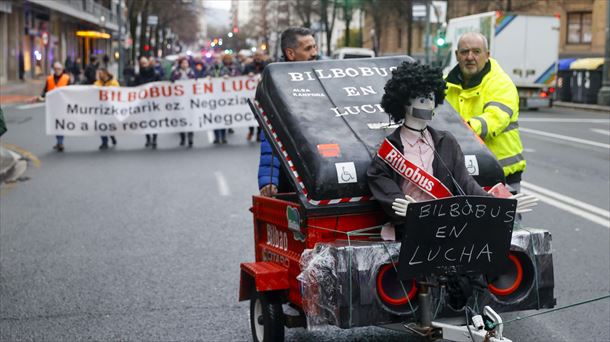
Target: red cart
pixel 318 256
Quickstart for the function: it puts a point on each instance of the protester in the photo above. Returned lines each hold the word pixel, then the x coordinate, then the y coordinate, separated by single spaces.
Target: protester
pixel 488 100
pixel 129 74
pixel 56 80
pixel 106 79
pixel 158 67
pixel 91 71
pixel 76 70
pixel 226 68
pixel 184 72
pixel 105 60
pixel 147 74
pixel 200 70
pixel 297 44
pixel 255 66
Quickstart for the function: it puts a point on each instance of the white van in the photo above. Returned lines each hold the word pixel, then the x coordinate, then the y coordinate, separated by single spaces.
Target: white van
pixel 351 52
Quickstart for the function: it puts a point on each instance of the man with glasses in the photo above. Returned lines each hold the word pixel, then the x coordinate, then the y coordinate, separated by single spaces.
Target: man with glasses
pixel 487 99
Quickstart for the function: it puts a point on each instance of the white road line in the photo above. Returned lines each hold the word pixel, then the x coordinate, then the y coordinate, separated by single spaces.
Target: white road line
pixel 565 120
pixel 210 137
pixel 564 137
pixel 601 131
pixel 529 150
pixel 223 187
pixel 568 208
pixel 31 105
pixel 562 197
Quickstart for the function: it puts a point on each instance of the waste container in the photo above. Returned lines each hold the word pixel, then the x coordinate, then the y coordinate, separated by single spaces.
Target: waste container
pixel 564 74
pixel 586 79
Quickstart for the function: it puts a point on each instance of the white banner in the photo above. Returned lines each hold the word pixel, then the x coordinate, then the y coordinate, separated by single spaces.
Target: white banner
pixel 159 107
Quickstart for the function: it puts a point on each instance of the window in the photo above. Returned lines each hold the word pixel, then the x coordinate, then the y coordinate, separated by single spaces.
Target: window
pixel 579 28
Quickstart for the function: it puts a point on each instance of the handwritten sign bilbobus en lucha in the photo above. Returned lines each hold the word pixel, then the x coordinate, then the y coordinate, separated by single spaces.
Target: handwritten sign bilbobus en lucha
pixel 464 234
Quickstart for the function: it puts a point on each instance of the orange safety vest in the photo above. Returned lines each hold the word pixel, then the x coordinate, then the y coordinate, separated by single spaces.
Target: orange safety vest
pixel 63 81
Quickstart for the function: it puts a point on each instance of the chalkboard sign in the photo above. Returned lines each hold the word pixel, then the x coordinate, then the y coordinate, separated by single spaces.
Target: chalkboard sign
pixel 456 235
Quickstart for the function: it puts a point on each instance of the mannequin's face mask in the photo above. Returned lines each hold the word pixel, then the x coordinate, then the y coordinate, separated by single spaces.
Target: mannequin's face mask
pixel 422 108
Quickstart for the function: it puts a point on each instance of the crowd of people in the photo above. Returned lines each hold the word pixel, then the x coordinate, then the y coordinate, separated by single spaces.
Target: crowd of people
pixel 150 69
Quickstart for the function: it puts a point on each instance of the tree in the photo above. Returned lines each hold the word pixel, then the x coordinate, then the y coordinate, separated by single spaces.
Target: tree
pixel 304 10
pixel 347 9
pixel 379 10
pixel 328 19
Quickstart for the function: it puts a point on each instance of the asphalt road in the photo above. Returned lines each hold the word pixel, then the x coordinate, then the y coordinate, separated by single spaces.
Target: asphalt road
pixel 135 244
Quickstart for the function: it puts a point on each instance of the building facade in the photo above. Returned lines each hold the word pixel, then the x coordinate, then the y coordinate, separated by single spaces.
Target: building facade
pixel 36 33
pixel 582 30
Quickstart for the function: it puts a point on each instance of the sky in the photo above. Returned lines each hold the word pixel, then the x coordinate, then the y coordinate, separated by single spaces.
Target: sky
pixel 220 4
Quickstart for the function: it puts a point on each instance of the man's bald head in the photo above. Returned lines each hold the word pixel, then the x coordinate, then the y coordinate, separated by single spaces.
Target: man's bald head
pixel 472 54
pixel 474 36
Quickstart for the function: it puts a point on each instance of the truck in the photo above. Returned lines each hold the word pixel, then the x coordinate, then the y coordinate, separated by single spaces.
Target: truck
pixel 525 46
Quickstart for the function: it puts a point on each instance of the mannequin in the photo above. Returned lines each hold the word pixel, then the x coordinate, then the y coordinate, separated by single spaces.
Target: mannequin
pixel 410 97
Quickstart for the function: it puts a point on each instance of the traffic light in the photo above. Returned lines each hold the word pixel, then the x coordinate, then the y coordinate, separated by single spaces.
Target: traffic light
pixel 440 39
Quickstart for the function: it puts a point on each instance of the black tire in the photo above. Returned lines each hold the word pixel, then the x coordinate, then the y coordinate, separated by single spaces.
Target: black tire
pixel 266 317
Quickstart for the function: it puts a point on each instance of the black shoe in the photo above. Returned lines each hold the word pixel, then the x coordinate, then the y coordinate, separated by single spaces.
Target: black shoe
pixel 231 131
pixel 224 141
pixel 215 141
pixel 147 144
pixel 59 147
pixel 190 144
pixel 154 145
pixel 181 142
pixel 103 146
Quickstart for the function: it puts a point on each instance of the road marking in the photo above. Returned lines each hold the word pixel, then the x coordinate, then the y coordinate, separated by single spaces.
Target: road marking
pixel 31 105
pixel 573 201
pixel 572 120
pixel 529 150
pixel 601 131
pixel 567 203
pixel 210 137
pixel 223 187
pixel 564 137
pixel 24 153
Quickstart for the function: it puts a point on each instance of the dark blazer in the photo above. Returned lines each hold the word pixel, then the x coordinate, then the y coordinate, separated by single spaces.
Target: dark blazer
pixel 385 183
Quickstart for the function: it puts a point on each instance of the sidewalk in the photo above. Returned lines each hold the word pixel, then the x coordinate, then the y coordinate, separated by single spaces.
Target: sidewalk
pixel 19 91
pixel 583 106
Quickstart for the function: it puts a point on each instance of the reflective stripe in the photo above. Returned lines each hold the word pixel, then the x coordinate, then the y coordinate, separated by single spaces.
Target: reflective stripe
pixel 483 126
pixel 502 106
pixel 511 126
pixel 511 160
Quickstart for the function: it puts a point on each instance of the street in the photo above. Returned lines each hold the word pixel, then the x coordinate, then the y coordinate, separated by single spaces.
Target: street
pixel 140 244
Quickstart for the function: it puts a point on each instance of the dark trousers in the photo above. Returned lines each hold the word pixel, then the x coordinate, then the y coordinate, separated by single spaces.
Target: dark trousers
pixel 151 138
pixel 220 135
pixel 184 135
pixel 105 140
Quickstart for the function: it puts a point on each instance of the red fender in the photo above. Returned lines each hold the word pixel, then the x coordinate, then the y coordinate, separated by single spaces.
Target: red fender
pixel 261 276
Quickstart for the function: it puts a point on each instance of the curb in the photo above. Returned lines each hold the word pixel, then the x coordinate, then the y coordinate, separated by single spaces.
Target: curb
pixel 572 105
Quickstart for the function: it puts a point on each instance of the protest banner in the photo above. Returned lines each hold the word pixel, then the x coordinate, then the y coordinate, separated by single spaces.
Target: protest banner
pixel 159 107
pixel 456 235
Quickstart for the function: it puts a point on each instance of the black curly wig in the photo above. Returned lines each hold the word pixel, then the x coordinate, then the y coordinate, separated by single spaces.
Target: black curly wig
pixel 411 80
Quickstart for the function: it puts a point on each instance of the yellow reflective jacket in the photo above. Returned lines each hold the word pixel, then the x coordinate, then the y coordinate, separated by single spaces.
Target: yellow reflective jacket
pixel 490 105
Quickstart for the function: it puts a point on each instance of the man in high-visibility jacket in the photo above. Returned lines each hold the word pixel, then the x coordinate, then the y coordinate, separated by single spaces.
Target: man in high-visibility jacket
pixel 55 80
pixel 487 99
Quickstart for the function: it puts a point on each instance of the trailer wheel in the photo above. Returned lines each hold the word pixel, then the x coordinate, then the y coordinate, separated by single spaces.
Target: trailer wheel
pixel 266 317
